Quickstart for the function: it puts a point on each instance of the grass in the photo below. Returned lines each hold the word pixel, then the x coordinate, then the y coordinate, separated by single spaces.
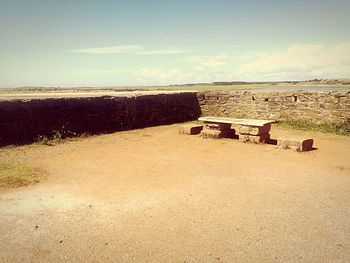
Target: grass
pixel 15 175
pixel 58 136
pixel 333 127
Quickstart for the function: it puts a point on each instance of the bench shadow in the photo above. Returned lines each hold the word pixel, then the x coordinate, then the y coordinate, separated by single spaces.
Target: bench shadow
pixel 232 134
pixel 235 136
pixel 313 149
pixel 271 141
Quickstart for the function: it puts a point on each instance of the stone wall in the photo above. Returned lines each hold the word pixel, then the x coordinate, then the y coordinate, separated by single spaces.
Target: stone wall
pixel 309 106
pixel 23 121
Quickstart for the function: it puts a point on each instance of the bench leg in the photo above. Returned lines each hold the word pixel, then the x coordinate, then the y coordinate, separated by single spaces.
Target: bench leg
pixel 217 131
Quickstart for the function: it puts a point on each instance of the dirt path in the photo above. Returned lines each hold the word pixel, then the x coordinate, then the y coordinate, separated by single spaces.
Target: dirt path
pixel 153 195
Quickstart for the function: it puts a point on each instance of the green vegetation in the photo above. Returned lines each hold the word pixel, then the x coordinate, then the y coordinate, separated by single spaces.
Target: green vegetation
pixel 334 127
pixel 57 137
pixel 16 175
pixel 54 139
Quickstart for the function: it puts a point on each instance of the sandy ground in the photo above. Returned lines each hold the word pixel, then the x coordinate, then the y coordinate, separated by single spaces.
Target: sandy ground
pixel 153 195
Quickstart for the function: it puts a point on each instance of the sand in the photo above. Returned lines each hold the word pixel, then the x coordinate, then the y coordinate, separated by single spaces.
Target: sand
pixel 153 195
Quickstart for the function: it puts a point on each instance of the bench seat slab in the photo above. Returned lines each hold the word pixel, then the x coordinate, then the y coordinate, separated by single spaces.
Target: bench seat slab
pixel 250 122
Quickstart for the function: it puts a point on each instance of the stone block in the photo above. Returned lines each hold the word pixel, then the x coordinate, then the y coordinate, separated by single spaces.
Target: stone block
pixel 254 138
pixel 217 126
pixel 296 144
pixel 190 129
pixel 217 134
pixel 254 130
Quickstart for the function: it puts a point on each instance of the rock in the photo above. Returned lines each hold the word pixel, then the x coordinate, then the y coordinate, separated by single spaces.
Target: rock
pixel 296 144
pixel 217 126
pixel 254 138
pixel 190 129
pixel 254 130
pixel 217 134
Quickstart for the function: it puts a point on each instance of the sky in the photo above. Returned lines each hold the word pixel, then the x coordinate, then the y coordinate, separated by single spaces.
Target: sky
pixel 65 43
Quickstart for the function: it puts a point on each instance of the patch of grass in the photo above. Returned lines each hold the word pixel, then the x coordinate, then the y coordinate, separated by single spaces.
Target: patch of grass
pixel 333 127
pixel 56 137
pixel 15 175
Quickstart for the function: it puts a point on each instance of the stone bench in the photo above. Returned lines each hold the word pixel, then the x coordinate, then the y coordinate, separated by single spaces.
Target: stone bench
pixel 245 122
pixel 296 144
pixel 250 130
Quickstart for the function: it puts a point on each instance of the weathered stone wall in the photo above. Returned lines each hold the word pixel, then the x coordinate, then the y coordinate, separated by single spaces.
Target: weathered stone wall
pixel 309 106
pixel 23 121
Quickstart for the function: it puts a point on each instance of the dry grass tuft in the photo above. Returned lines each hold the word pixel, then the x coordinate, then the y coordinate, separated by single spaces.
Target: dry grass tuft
pixel 16 175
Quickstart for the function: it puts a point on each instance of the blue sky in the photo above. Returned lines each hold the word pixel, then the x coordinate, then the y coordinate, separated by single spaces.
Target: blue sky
pixel 114 43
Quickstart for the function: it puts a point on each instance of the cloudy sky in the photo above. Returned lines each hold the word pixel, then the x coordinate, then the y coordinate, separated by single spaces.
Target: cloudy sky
pixel 156 42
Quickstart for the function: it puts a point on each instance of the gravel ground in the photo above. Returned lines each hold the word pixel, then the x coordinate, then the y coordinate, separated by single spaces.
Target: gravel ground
pixel 152 195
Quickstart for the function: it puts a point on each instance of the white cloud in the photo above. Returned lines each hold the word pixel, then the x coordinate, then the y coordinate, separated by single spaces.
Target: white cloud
pixel 133 49
pixel 209 62
pixel 159 74
pixel 110 50
pixel 216 61
pixel 295 63
pixel 101 72
pixel 165 51
pixel 300 62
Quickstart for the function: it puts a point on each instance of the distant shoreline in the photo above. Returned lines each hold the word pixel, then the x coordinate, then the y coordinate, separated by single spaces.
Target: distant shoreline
pixel 337 85
pixel 47 93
